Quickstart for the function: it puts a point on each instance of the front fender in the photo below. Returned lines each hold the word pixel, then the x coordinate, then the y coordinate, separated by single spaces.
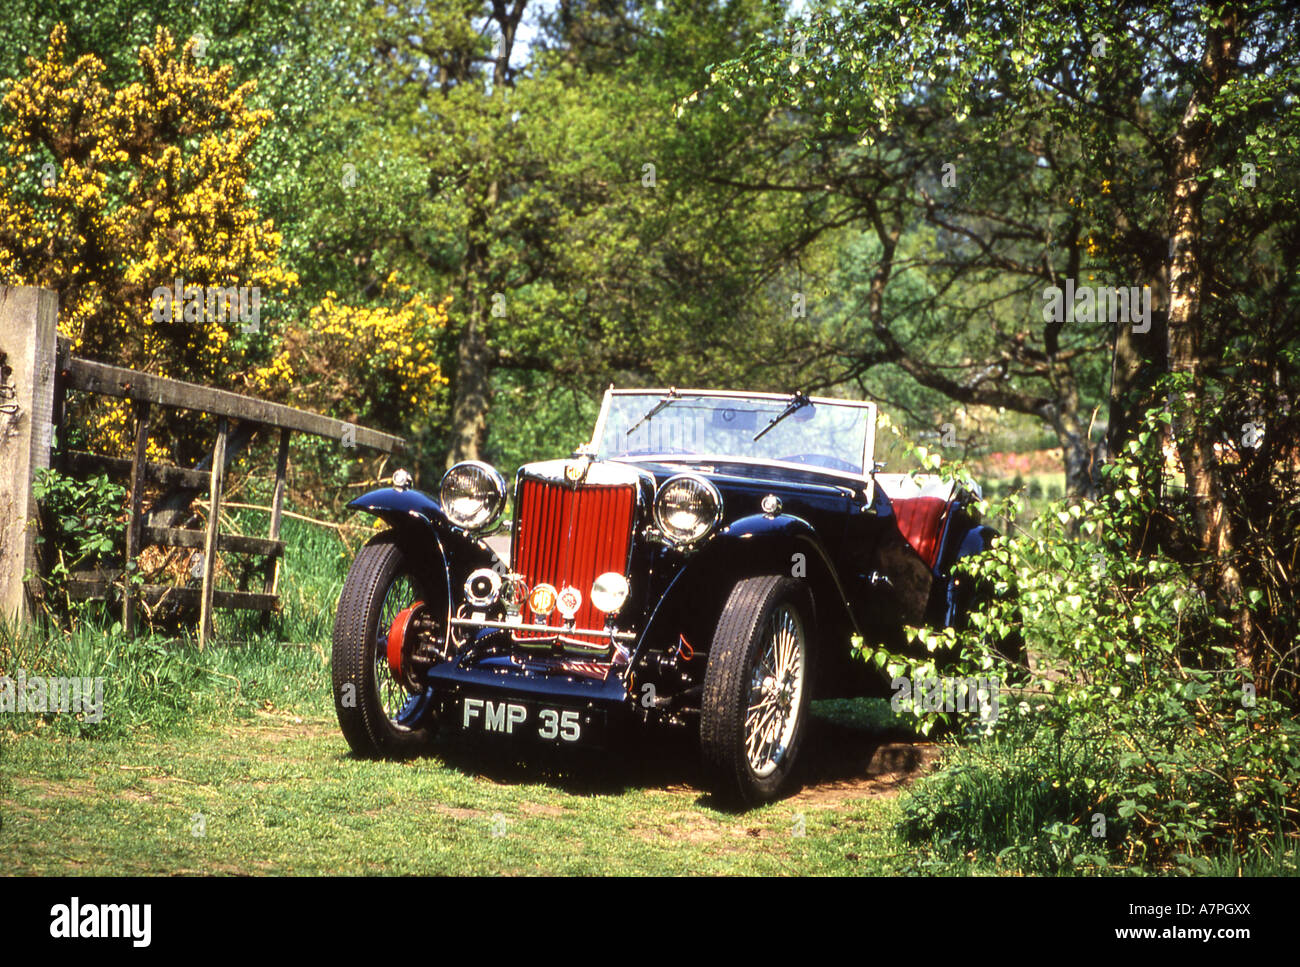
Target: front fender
pixel 419 520
pixel 780 544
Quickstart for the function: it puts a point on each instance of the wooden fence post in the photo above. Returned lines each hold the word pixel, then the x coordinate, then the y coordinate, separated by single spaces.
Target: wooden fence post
pixel 277 506
pixel 28 322
pixel 214 525
pixel 133 524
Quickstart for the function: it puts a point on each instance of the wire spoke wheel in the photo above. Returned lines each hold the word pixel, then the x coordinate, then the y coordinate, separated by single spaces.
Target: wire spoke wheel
pixel 394 696
pixel 379 714
pixel 756 689
pixel 775 690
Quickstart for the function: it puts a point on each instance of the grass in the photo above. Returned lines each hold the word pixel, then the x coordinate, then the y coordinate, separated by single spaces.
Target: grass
pixel 280 795
pixel 229 761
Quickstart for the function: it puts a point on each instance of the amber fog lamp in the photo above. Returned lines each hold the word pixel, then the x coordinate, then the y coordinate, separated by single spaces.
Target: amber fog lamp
pixel 609 592
pixel 542 601
pixel 687 508
pixel 473 495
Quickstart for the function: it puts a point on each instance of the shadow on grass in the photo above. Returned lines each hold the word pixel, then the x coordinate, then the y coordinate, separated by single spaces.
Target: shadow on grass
pixel 840 751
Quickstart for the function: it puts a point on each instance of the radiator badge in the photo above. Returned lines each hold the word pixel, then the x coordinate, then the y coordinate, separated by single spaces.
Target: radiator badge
pixel 542 600
pixel 569 601
pixel 576 472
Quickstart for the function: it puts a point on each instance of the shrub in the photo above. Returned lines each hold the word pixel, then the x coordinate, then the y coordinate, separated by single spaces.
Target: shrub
pixel 83 528
pixel 1142 740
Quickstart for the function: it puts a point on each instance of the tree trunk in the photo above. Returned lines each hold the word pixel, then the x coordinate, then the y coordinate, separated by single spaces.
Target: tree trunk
pixel 472 393
pixel 1137 360
pixel 1195 441
pixel 1081 459
pixel 470 404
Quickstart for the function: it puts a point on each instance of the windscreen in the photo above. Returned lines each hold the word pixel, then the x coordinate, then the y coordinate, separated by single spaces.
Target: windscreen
pixel 819 434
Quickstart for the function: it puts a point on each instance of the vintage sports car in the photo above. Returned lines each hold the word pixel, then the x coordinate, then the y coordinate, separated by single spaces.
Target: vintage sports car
pixel 704 562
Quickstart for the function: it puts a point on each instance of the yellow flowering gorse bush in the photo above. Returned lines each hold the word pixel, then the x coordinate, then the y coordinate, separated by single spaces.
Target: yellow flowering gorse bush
pixel 107 195
pixel 355 360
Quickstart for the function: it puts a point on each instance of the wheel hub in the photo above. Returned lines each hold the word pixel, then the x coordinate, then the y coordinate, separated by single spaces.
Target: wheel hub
pixel 775 691
pixel 403 637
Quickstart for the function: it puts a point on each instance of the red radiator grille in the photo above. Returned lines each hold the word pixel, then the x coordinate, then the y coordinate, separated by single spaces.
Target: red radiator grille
pixel 568 536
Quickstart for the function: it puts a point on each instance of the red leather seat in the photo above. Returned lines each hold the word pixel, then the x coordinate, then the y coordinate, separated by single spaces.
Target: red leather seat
pixel 921 521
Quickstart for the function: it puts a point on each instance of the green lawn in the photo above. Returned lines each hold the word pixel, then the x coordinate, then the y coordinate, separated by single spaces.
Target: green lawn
pixel 243 735
pixel 280 794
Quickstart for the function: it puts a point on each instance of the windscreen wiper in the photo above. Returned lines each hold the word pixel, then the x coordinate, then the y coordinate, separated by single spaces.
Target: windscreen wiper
pixel 797 402
pixel 672 397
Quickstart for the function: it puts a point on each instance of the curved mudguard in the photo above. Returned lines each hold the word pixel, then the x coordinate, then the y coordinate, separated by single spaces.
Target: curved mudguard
pixel 420 523
pixel 776 544
pixel 975 541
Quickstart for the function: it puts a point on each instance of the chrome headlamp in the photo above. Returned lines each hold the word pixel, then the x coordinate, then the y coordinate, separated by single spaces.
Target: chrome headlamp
pixel 473 495
pixel 687 508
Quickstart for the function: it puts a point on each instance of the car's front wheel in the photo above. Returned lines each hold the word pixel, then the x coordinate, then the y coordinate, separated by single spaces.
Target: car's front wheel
pixel 376 708
pixel 756 690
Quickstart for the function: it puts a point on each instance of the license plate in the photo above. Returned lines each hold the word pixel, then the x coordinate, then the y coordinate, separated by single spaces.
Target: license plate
pixel 531 720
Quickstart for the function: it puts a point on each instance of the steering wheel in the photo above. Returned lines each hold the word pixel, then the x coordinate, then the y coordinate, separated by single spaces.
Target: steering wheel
pixel 822 460
pixel 652 450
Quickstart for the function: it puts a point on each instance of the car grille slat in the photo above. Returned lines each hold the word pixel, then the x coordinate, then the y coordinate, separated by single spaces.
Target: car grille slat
pixel 569 535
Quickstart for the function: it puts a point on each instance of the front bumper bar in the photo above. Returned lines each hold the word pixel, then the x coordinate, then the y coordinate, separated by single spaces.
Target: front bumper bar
pixel 500 677
pixel 613 636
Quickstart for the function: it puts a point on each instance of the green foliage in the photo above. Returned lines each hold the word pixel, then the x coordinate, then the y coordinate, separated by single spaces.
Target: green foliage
pixel 158 686
pixel 166 686
pixel 998 147
pixel 534 421
pixel 83 528
pixel 1023 798
pixel 1134 714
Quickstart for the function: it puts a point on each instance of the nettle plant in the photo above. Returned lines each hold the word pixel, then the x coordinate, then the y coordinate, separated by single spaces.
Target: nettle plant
pixel 1138 739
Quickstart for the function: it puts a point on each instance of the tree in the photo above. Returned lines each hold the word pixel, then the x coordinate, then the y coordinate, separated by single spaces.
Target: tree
pixel 110 195
pixel 1143 141
pixel 551 192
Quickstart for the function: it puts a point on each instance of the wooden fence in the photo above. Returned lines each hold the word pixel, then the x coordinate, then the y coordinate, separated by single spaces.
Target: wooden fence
pixel 35 401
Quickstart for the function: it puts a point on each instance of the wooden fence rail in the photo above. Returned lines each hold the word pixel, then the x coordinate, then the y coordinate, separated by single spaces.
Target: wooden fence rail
pixel 26 322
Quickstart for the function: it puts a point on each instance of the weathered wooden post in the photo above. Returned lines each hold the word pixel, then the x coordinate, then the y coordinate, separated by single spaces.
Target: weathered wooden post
pixel 270 584
pixel 139 466
pixel 28 320
pixel 217 481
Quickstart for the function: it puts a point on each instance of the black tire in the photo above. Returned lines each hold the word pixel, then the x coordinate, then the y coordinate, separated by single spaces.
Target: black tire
pixel 367 697
pixel 757 613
